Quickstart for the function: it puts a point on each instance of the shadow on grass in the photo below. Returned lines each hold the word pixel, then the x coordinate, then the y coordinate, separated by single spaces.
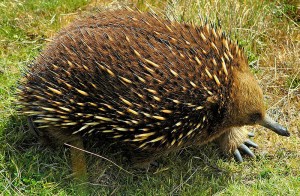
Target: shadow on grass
pixel 30 167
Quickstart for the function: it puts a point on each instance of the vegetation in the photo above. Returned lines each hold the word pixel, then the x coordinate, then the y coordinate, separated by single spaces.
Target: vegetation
pixel 268 30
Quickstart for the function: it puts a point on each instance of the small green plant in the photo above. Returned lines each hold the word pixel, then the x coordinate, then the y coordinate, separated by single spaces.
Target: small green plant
pixel 293 82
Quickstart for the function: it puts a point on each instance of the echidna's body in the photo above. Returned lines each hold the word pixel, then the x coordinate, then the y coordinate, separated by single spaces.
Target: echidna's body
pixel 146 82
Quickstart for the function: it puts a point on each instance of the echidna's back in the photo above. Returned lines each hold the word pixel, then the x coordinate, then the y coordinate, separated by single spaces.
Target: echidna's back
pixel 133 77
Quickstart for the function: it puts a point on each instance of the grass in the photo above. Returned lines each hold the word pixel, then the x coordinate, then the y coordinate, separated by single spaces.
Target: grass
pixel 269 31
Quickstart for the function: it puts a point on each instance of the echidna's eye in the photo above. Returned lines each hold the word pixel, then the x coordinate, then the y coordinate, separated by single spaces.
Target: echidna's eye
pixel 255 117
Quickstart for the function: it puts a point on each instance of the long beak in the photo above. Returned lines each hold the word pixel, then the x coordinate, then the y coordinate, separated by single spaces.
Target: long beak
pixel 274 126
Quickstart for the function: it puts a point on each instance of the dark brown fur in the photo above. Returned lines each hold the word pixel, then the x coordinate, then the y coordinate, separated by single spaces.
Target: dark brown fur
pixel 150 83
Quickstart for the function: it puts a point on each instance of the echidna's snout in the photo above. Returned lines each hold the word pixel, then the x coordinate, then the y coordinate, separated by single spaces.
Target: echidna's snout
pixel 274 126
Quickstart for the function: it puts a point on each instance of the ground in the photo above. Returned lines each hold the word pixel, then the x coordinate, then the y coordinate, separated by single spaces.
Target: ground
pixel 268 30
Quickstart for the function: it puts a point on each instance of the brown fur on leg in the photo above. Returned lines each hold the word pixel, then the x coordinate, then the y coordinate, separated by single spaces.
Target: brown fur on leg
pixel 79 167
pixel 232 139
pixel 78 160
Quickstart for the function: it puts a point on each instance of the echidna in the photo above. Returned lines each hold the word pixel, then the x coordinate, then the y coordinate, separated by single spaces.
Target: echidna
pixel 151 84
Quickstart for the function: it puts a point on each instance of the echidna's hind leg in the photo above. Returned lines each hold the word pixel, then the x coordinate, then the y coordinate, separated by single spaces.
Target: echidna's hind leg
pixel 78 160
pixel 77 156
pixel 235 140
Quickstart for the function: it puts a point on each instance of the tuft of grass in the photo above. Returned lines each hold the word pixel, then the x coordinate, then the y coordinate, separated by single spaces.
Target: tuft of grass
pixel 269 32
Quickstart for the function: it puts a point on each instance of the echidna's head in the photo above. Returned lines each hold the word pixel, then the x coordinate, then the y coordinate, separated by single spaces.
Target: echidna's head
pixel 247 105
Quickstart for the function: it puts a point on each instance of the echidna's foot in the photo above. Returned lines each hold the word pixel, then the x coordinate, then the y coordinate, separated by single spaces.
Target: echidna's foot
pixel 245 148
pixel 235 141
pixel 145 167
pixel 143 160
pixel 42 137
pixel 154 164
pixel 32 126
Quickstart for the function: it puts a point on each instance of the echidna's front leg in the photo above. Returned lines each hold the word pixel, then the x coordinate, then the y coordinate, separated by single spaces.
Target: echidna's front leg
pixel 236 139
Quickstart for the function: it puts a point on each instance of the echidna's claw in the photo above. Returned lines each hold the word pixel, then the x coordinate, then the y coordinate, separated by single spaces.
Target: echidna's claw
pixel 251 143
pixel 245 148
pixel 250 134
pixel 154 164
pixel 238 155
